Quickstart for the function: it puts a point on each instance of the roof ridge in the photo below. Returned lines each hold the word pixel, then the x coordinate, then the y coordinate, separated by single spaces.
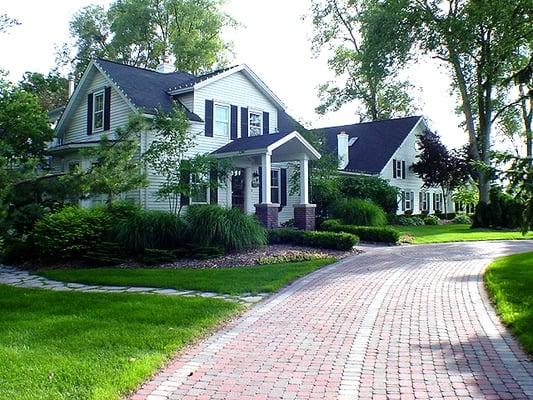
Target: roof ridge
pixel 142 68
pixel 370 122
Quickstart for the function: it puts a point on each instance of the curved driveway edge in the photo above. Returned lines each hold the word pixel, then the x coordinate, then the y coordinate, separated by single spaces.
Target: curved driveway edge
pixel 409 322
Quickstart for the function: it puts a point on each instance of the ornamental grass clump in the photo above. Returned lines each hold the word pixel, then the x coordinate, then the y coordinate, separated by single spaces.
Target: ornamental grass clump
pixel 210 225
pixel 359 212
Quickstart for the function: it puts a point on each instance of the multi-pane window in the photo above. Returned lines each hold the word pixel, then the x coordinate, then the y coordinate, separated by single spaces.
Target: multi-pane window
pixel 424 201
pixel 407 200
pixel 437 201
pixel 398 169
pixel 198 189
pixel 98 111
pixel 274 186
pixel 255 123
pixel 221 120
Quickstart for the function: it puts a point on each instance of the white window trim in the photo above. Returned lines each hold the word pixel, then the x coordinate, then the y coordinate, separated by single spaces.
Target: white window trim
pixel 207 195
pixel 408 199
pixel 426 201
pixel 254 111
pixel 399 169
pixel 278 187
pixel 97 93
pixel 228 107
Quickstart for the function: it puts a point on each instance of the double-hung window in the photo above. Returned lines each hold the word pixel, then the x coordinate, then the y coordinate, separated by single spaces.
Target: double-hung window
pixel 255 123
pixel 407 200
pixel 198 189
pixel 424 201
pixel 398 169
pixel 437 201
pixel 274 186
pixel 221 120
pixel 98 111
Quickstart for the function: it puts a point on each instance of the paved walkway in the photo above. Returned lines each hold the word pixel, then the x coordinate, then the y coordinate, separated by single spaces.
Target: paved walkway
pixel 400 323
pixel 21 278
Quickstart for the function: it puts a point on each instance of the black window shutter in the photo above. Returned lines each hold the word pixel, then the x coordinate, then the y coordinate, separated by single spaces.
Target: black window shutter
pixel 394 168
pixel 209 118
pixel 260 170
pixel 283 187
pixel 244 121
pixel 403 201
pixel 266 123
pixel 234 111
pixel 107 108
pixel 213 187
pixel 403 169
pixel 185 178
pixel 90 114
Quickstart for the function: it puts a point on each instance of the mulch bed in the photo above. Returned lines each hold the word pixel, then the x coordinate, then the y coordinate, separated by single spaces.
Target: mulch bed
pixel 231 260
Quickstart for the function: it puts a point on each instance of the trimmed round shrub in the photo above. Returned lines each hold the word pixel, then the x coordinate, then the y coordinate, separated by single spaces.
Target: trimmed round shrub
pixel 211 225
pixel 431 220
pixel 326 240
pixel 381 234
pixel 462 219
pixel 70 233
pixel 405 220
pixel 359 212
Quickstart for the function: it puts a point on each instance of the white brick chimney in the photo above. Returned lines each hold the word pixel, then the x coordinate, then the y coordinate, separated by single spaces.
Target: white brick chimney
pixel 342 149
pixel 166 66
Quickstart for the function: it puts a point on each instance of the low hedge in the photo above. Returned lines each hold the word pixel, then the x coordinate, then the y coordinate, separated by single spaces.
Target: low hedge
pixel 365 233
pixel 326 240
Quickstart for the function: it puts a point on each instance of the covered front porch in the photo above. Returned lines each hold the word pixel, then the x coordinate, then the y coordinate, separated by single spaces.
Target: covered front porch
pixel 260 183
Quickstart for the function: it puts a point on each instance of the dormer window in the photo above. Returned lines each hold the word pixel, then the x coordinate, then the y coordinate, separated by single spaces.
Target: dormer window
pixel 98 111
pixel 255 123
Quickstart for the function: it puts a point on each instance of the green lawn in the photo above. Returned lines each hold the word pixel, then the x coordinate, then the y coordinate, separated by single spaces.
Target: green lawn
pixel 268 278
pixel 455 233
pixel 509 281
pixel 72 345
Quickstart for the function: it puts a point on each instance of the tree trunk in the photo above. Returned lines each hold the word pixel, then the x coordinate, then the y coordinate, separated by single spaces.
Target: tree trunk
pixel 445 201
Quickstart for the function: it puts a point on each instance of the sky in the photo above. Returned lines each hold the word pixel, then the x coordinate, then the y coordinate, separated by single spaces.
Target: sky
pixel 273 40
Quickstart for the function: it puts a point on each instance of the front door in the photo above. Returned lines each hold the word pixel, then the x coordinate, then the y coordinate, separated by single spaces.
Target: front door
pixel 237 188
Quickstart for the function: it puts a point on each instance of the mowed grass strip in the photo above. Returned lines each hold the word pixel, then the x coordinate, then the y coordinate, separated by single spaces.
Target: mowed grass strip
pixel 457 233
pixel 259 279
pixel 509 281
pixel 72 345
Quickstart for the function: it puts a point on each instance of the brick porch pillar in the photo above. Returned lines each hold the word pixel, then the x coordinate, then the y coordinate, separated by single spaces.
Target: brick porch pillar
pixel 267 214
pixel 304 216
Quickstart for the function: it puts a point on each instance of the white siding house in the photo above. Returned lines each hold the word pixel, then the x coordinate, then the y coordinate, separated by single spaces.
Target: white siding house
pixel 232 114
pixel 386 149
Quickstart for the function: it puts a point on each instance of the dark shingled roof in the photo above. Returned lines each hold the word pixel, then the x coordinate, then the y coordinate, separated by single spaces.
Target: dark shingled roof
pixel 250 143
pixel 377 141
pixel 147 89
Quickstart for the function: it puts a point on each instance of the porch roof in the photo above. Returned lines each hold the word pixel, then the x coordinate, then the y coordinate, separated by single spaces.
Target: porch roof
pixel 284 144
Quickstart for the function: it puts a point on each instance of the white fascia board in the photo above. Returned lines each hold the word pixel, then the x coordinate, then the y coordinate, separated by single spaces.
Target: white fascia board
pixel 420 121
pixel 249 74
pixel 301 139
pixel 80 87
pixel 241 153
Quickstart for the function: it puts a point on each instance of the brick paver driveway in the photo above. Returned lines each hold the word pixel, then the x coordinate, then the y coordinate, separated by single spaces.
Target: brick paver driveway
pixel 396 323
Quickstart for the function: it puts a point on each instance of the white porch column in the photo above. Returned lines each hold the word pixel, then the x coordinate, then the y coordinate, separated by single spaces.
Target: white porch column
pixel 248 201
pixel 229 202
pixel 266 164
pixel 304 180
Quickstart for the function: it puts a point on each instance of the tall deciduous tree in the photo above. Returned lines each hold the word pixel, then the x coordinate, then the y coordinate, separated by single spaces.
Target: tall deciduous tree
pixel 352 31
pixel 439 167
pixel 480 41
pixel 142 32
pixel 24 132
pixel 50 89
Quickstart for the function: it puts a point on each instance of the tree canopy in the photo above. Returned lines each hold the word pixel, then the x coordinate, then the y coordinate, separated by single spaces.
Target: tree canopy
pixel 50 89
pixel 142 32
pixel 352 32
pixel 439 167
